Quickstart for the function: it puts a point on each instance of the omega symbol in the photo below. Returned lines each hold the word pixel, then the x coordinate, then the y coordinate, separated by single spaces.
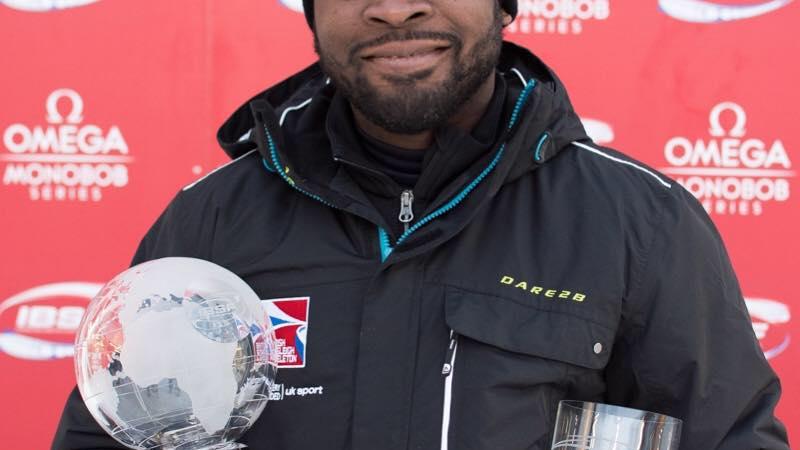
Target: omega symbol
pixel 738 129
pixel 76 113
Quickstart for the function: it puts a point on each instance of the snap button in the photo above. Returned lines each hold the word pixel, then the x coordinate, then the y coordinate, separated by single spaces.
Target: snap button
pixel 598 348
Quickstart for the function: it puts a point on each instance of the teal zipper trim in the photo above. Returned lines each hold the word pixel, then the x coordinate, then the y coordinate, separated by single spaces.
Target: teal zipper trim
pixel 523 97
pixel 266 165
pixel 284 171
pixel 537 156
pixel 386 248
pixel 486 171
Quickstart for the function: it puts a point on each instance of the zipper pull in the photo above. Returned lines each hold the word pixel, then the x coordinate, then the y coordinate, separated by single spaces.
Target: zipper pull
pixel 406 211
pixel 450 355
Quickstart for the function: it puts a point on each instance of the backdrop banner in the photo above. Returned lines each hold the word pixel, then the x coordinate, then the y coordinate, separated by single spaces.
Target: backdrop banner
pixel 110 107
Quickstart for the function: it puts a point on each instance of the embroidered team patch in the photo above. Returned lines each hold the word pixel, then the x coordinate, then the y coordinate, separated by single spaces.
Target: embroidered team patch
pixel 289 318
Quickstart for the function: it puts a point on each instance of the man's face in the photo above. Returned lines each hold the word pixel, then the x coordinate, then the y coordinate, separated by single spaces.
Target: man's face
pixel 408 65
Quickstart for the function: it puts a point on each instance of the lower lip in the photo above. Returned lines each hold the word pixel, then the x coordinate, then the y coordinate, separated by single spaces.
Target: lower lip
pixel 408 64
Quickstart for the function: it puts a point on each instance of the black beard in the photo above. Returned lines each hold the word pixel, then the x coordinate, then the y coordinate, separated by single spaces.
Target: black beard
pixel 409 109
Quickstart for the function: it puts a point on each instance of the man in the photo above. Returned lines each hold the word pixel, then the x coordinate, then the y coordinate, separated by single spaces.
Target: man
pixel 469 256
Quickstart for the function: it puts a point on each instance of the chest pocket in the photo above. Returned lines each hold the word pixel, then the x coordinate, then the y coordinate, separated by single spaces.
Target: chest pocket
pixel 516 327
pixel 513 363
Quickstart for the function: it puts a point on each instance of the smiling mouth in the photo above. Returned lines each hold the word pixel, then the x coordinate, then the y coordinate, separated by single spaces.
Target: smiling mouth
pixel 406 56
pixel 408 53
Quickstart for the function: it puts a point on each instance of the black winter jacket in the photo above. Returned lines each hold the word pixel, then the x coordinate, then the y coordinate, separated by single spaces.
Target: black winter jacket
pixel 550 269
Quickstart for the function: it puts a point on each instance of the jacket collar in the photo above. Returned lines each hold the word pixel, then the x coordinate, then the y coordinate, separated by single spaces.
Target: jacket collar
pixel 285 123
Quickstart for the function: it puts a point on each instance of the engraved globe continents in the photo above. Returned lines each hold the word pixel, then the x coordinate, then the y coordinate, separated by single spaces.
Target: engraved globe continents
pixel 175 353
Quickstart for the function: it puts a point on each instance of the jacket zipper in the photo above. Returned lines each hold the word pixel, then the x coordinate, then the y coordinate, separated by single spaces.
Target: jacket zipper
pixel 448 371
pixel 406 209
pixel 385 244
pixel 386 248
pixel 458 198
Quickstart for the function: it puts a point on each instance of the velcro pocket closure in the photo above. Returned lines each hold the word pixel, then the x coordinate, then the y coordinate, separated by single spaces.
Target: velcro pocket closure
pixel 516 327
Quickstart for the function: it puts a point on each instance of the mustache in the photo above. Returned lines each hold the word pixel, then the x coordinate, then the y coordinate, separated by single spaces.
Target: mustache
pixel 410 35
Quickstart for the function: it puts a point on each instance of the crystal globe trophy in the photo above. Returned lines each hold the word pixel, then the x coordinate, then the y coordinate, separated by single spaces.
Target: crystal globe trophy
pixel 597 426
pixel 175 354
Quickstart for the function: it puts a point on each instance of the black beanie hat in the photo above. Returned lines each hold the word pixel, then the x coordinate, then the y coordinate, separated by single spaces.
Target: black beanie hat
pixel 509 6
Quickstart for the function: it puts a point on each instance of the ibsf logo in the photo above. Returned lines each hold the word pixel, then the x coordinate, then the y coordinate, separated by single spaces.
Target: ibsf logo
pixel 40 323
pixel 704 11
pixel 770 319
pixel 601 132
pixel 45 5
pixel 67 159
pixel 730 172
pixel 289 318
pixel 557 16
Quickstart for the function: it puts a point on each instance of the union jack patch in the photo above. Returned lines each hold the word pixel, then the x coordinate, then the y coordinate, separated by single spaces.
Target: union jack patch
pixel 289 319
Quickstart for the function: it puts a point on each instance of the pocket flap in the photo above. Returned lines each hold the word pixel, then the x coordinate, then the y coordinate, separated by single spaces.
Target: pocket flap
pixel 520 328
